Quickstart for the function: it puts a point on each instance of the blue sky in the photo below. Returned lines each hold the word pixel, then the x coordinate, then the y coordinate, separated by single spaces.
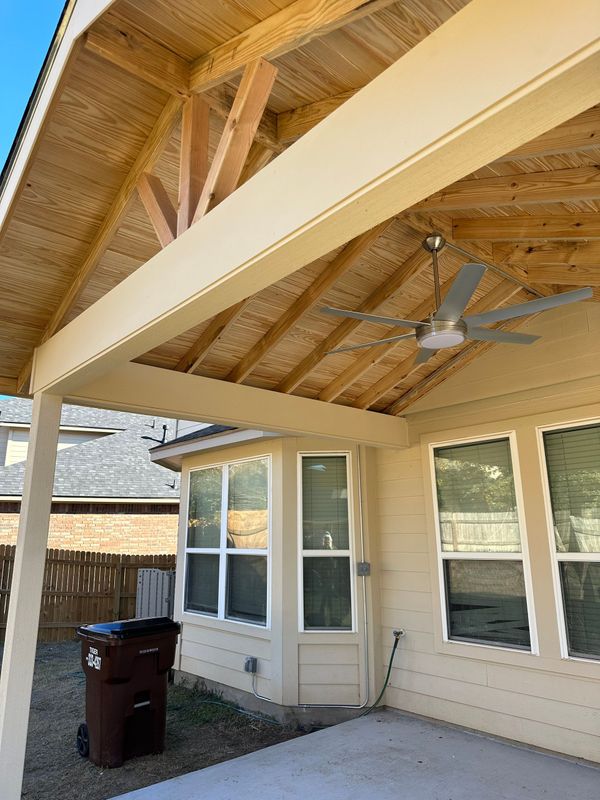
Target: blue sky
pixel 27 28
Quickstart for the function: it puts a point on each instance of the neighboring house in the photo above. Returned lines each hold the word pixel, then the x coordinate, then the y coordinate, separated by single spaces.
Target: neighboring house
pixel 108 495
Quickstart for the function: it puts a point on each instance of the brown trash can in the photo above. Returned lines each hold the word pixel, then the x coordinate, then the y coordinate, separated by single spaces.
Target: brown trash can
pixel 126 664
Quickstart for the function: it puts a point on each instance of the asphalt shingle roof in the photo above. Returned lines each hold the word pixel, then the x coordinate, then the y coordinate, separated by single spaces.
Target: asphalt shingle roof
pixel 113 466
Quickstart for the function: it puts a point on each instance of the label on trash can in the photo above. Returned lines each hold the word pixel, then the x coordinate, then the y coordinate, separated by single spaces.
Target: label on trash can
pixel 93 660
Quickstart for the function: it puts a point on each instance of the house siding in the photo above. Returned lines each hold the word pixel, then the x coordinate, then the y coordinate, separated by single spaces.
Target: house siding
pixel 543 700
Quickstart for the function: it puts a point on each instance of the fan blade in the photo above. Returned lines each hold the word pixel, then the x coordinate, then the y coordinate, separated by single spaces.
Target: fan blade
pixel 371 344
pixel 532 307
pixel 460 292
pixel 424 355
pixel 401 323
pixel 507 337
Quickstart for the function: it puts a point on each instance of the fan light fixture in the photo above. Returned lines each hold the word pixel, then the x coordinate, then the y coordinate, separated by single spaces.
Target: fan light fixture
pixel 447 326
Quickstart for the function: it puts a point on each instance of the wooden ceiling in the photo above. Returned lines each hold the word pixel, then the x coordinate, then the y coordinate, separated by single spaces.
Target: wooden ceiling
pixel 120 170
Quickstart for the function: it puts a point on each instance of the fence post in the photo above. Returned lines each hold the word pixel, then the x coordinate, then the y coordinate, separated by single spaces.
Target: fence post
pixel 118 582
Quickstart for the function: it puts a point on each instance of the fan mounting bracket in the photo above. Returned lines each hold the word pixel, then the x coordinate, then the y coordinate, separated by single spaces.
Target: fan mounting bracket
pixel 434 243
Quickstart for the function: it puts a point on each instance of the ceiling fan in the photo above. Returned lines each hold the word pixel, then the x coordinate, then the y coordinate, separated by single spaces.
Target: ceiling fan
pixel 447 327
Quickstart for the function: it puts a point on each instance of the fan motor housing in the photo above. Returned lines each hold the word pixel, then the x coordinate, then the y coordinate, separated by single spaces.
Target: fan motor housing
pixel 439 334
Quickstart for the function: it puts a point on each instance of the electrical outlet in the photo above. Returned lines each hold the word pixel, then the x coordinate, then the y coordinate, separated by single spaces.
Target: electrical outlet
pixel 251 664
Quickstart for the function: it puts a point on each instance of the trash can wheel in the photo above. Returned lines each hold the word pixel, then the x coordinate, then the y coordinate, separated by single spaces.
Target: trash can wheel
pixel 83 740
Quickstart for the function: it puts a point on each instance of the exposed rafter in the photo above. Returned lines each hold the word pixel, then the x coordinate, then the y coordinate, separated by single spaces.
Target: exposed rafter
pixel 548 254
pixel 193 163
pixel 159 208
pixel 147 157
pixel 286 30
pixel 559 186
pixel 499 295
pixel 348 257
pixel 408 271
pixel 213 333
pixel 512 229
pixel 291 125
pixel 238 135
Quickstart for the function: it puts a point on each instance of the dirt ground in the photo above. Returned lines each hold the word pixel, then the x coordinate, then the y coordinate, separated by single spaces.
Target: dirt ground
pixel 198 734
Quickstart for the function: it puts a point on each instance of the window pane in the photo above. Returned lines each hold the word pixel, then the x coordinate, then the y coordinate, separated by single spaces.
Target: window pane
pixel 486 602
pixel 327 598
pixel 204 517
pixel 573 459
pixel 248 514
pixel 325 503
pixel 247 588
pixel 476 498
pixel 202 583
pixel 581 592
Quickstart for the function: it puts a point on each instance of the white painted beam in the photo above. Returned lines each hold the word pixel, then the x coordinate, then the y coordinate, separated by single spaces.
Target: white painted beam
pixel 26 593
pixel 329 187
pixel 166 393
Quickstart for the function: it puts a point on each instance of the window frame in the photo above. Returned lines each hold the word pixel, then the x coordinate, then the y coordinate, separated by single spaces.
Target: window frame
pixel 223 551
pixel 302 553
pixel 522 555
pixel 555 556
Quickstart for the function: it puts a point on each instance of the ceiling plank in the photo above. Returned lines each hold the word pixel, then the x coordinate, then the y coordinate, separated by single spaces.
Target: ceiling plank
pixel 499 295
pixel 193 163
pixel 118 42
pixel 511 229
pixel 406 272
pixel 286 30
pixel 291 125
pixel 547 253
pixel 238 135
pixel 454 364
pixel 579 133
pixel 209 337
pixel 146 158
pixel 558 186
pixel 348 257
pixel 159 207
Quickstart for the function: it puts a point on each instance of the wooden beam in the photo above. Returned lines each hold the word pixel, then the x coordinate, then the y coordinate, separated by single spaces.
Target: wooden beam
pixel 137 387
pixel 237 137
pixel 512 229
pixel 502 292
pixel 213 333
pixel 291 125
pixel 159 207
pixel 548 254
pixel 286 30
pixel 566 275
pixel 348 257
pixel 407 272
pixel 147 157
pixel 118 42
pixel 193 163
pixel 336 188
pixel 258 157
pixel 580 133
pixel 559 186
pixel 454 364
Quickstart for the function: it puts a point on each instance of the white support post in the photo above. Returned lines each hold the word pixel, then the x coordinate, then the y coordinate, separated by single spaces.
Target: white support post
pixel 26 592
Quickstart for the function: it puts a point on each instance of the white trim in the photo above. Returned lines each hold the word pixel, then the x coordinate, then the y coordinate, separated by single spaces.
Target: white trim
pixel 171 455
pixel 225 552
pixel 555 556
pixel 16 498
pixel 68 428
pixel 302 553
pixel 522 555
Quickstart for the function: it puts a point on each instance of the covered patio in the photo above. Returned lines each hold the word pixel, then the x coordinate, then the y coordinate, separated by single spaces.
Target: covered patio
pixel 194 182
pixel 389 756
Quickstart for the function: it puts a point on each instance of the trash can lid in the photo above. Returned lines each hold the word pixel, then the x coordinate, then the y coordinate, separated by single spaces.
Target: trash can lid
pixel 130 628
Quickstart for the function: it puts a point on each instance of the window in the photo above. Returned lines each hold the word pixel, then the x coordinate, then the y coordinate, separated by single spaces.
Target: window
pixel 325 544
pixel 573 468
pixel 480 544
pixel 228 541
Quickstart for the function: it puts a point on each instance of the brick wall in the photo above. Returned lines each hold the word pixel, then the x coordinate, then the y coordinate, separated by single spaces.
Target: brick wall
pixel 135 534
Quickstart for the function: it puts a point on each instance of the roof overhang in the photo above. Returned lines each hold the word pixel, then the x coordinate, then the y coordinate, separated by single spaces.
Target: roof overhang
pixel 171 455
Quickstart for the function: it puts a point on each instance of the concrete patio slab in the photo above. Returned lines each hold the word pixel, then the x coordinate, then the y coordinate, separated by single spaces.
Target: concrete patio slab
pixel 387 755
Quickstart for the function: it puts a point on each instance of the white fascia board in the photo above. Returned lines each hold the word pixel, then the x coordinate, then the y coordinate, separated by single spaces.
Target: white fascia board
pixel 171 456
pixel 383 150
pixel 79 18
pixel 151 390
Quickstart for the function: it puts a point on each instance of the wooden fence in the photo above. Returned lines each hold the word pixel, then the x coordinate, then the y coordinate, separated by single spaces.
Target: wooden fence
pixel 80 588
